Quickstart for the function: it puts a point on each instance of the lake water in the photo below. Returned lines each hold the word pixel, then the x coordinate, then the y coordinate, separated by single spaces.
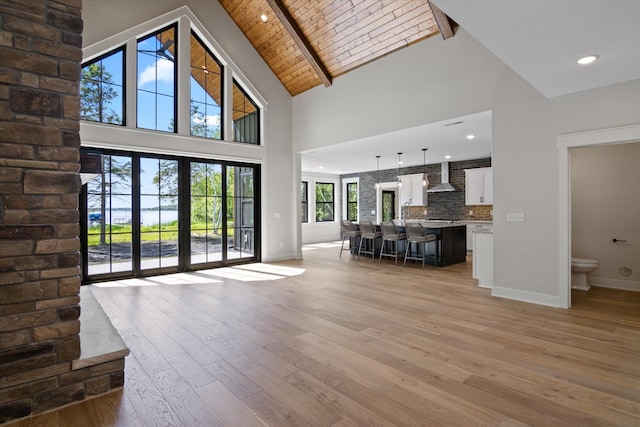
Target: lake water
pixel 147 217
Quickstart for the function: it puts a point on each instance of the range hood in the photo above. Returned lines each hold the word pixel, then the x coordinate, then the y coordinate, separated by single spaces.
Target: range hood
pixel 444 180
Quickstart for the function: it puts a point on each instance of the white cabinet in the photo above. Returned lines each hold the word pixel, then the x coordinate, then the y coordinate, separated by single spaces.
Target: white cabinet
pixel 486 227
pixel 482 264
pixel 478 186
pixel 412 190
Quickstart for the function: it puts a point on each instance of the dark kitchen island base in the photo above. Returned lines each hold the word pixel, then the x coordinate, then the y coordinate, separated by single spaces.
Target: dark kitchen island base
pixel 452 241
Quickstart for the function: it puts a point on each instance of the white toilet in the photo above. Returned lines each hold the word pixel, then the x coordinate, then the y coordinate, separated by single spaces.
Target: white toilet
pixel 580 269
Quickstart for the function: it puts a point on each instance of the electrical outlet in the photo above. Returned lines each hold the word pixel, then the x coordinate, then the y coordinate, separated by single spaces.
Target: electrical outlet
pixel 424 212
pixel 470 213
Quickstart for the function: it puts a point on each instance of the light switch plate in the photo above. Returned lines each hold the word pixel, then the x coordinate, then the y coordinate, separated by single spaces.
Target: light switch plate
pixel 515 216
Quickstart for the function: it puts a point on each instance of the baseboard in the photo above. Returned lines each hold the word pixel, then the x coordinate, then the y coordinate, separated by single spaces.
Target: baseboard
pixel 605 282
pixel 526 296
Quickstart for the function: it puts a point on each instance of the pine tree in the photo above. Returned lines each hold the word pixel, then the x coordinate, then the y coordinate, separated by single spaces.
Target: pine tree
pixel 96 91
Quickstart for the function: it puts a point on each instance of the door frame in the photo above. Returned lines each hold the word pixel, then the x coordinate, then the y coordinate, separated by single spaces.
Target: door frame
pixel 184 263
pixel 618 135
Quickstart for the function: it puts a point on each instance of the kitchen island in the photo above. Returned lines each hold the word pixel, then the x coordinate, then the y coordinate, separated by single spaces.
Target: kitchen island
pixel 452 242
pixel 452 238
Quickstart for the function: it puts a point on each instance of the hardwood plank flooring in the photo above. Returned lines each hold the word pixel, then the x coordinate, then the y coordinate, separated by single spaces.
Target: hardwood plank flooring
pixel 329 341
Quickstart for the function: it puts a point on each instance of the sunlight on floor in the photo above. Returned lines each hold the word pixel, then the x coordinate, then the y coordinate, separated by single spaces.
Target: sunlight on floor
pixel 273 269
pixel 314 246
pixel 246 273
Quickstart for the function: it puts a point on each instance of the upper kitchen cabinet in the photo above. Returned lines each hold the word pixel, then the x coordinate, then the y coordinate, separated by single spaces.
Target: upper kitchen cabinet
pixel 412 192
pixel 479 186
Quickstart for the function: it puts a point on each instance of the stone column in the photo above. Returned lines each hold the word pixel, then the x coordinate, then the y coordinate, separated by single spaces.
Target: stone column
pixel 40 55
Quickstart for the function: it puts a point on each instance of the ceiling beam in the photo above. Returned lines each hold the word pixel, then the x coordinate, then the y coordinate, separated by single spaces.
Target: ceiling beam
pixel 301 41
pixel 442 20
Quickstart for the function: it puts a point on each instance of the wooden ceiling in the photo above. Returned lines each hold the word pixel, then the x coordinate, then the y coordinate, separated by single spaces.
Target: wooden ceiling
pixel 310 42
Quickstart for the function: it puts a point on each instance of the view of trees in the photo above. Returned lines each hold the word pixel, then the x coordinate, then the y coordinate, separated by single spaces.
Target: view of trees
pixel 324 202
pixel 96 93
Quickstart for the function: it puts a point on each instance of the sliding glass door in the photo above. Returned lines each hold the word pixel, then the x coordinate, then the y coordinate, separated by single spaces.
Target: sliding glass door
pixel 159 203
pixel 148 214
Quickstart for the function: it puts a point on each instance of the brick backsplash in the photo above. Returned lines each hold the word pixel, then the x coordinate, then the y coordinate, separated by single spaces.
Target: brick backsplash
pixel 40 54
pixel 448 205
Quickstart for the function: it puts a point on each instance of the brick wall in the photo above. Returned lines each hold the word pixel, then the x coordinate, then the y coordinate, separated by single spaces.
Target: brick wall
pixel 439 205
pixel 40 55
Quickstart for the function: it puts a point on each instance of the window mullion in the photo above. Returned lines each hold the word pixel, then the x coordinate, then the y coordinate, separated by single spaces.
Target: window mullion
pixel 227 104
pixel 184 73
pixel 131 83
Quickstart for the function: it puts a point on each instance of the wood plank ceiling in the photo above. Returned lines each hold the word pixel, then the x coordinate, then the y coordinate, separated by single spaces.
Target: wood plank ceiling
pixel 307 43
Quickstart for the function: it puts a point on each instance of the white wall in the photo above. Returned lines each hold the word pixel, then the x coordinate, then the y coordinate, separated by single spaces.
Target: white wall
pixel 605 203
pixel 436 80
pixel 313 231
pixel 280 238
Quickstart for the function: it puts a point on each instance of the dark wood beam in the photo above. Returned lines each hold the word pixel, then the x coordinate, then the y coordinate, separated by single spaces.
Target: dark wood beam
pixel 301 41
pixel 442 20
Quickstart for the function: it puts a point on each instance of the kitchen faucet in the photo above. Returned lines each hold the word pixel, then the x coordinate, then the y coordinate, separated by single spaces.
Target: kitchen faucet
pixel 403 213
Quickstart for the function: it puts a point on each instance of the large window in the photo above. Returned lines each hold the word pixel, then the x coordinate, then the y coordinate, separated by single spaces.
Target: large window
pixel 148 214
pixel 102 89
pixel 157 81
pixel 325 202
pixel 246 117
pixel 304 197
pixel 206 91
pixel 352 201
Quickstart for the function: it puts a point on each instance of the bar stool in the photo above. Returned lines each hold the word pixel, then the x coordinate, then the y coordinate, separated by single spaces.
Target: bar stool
pixel 368 234
pixel 349 230
pixel 391 236
pixel 417 234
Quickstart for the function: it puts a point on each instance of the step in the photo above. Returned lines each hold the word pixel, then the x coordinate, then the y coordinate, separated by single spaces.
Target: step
pixel 100 342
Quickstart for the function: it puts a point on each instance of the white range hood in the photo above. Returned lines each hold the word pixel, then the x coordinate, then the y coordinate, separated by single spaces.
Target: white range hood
pixel 444 185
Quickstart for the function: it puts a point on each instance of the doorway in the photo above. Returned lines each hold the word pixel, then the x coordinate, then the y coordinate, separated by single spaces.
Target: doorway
pixel 620 135
pixel 388 205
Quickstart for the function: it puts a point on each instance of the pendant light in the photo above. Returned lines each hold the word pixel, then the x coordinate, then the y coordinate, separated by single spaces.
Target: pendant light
pixel 377 185
pixel 425 181
pixel 399 163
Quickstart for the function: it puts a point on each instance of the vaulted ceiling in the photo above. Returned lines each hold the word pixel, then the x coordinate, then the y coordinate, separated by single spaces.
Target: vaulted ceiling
pixel 307 43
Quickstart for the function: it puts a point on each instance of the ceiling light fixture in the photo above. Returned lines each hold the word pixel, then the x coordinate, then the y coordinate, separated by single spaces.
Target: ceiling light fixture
pixel 447 156
pixel 264 18
pixel 425 181
pixel 377 172
pixel 586 60
pixel 471 136
pixel 399 163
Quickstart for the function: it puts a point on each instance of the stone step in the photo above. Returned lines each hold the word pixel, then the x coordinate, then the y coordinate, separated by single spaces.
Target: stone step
pixel 100 342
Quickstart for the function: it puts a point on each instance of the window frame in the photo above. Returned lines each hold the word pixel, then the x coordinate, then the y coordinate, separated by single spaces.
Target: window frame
pixel 235 84
pixel 208 51
pixel 332 203
pixel 176 57
pixel 304 201
pixel 348 202
pixel 123 50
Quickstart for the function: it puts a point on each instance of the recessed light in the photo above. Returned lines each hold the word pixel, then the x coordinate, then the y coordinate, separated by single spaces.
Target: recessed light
pixel 585 60
pixel 320 167
pixel 264 18
pixel 447 156
pixel 471 136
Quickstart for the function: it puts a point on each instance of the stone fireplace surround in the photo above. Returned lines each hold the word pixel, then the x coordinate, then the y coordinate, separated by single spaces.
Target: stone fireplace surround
pixel 45 360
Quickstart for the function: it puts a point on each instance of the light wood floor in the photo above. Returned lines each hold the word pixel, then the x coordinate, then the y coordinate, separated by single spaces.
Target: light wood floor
pixel 333 341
